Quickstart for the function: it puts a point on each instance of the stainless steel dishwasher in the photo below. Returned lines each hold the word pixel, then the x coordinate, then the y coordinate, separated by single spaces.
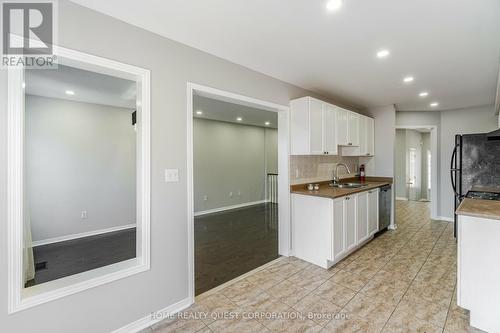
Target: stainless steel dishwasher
pixel 384 207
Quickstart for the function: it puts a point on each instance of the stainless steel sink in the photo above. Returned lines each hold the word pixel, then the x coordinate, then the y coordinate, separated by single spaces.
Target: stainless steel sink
pixel 348 185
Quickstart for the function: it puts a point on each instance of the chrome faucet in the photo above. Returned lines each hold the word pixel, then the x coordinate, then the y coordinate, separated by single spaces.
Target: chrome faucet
pixel 336 172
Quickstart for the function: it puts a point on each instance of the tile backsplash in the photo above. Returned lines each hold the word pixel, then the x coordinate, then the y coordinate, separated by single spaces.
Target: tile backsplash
pixel 305 168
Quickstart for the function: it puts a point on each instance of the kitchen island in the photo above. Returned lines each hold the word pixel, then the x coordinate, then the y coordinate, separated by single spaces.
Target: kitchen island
pixel 478 278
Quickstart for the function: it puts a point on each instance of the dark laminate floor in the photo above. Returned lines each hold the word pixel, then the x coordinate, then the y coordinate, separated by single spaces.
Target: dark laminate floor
pixel 83 254
pixel 231 243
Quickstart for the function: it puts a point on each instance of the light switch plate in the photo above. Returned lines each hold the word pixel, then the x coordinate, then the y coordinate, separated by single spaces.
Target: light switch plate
pixel 171 175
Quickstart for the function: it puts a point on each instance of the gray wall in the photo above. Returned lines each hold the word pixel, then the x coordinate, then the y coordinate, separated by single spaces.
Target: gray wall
pixel 172 65
pixel 382 164
pixel 231 158
pixel 79 156
pixel 400 164
pixel 472 120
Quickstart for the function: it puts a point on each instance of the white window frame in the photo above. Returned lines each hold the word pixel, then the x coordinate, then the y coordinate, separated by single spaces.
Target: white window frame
pixel 20 298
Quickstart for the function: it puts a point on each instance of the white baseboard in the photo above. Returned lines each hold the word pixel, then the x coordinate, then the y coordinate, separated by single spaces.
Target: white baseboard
pixel 401 198
pixel 155 317
pixel 444 218
pixel 221 209
pixel 81 235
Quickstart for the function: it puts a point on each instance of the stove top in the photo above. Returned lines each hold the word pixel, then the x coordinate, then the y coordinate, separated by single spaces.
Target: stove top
pixel 483 195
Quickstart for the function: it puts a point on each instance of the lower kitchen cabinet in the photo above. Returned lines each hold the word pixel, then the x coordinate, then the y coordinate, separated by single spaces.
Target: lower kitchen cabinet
pixel 362 217
pixel 373 211
pixel 350 222
pixel 326 230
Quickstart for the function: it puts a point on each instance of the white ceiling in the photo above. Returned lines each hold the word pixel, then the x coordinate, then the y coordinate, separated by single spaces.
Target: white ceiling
pixel 89 87
pixel 228 112
pixel 451 47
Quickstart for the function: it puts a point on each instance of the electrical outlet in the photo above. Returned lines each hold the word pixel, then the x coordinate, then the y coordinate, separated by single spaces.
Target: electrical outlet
pixel 297 173
pixel 230 194
pixel 84 215
pixel 171 175
pixel 239 193
pixel 205 198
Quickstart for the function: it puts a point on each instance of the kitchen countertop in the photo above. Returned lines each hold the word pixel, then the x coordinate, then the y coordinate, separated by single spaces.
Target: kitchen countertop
pixel 487 209
pixel 326 191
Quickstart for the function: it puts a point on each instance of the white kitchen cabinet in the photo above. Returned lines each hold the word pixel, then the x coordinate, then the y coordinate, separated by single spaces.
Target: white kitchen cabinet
pixel 478 290
pixel 342 126
pixel 366 145
pixel 373 212
pixel 320 128
pixel 353 129
pixel 362 217
pixel 370 136
pixel 316 126
pixel 312 127
pixel 350 222
pixel 329 137
pixel 312 228
pixel 327 230
pixel 338 237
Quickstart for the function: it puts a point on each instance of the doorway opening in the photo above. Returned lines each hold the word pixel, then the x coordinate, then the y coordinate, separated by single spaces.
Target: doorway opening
pixel 238 181
pixel 415 165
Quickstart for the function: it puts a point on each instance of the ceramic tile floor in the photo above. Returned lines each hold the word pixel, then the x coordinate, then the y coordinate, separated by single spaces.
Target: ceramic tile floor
pixel 402 281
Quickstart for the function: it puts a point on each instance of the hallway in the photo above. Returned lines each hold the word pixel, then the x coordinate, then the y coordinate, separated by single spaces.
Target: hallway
pixel 402 281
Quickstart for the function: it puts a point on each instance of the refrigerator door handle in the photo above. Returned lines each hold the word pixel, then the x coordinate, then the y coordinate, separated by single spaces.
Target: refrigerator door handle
pixel 453 172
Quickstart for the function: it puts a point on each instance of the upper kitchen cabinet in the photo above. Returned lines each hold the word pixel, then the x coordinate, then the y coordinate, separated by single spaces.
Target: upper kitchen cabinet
pixel 312 127
pixel 319 128
pixel 353 129
pixel 366 139
pixel 342 126
pixel 348 129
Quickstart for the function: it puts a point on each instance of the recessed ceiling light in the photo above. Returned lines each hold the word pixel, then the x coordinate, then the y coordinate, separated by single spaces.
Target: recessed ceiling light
pixel 383 53
pixel 267 123
pixel 434 104
pixel 408 79
pixel 333 5
pixel 199 112
pixel 423 94
pixel 239 119
pixel 70 92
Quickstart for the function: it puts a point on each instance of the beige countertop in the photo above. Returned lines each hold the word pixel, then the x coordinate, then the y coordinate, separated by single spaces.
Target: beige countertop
pixel 326 191
pixel 487 209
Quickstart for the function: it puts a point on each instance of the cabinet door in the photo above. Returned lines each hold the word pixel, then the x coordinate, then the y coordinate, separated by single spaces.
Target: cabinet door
pixel 353 129
pixel 363 144
pixel 329 137
pixel 370 136
pixel 350 222
pixel 362 217
pixel 373 211
pixel 316 126
pixel 341 126
pixel 338 229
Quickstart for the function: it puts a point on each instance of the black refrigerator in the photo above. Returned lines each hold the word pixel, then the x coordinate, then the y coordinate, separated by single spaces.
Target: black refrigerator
pixel 475 162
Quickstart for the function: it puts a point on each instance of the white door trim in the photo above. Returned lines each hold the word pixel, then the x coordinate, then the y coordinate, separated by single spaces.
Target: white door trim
pixel 20 298
pixel 284 225
pixel 434 166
